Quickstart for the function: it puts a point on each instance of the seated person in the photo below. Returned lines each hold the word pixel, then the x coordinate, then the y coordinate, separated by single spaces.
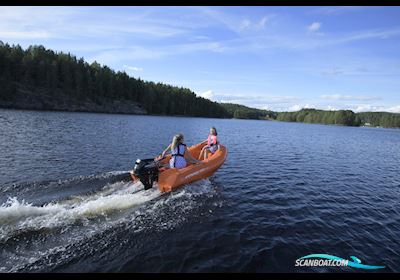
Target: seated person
pixel 179 153
pixel 212 144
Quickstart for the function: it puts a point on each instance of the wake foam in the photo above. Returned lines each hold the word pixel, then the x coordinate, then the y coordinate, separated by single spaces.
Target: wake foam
pixel 27 186
pixel 19 216
pixel 85 225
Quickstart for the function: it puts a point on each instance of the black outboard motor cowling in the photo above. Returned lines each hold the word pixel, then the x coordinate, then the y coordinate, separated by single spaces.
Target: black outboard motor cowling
pixel 147 172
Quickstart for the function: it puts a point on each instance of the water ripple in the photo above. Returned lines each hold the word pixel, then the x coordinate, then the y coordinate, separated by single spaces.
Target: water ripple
pixel 286 190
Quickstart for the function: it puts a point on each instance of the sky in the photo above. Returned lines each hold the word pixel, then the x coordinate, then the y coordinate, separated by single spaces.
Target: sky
pixel 275 58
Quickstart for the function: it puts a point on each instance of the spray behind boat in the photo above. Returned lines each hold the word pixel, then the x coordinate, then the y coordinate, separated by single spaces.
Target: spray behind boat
pixel 146 170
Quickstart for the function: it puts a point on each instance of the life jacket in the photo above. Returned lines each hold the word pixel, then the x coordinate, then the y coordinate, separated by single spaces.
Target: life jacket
pixel 179 154
pixel 212 140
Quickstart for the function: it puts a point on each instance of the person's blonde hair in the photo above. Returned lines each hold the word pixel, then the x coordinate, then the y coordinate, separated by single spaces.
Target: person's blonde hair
pixel 176 140
pixel 215 130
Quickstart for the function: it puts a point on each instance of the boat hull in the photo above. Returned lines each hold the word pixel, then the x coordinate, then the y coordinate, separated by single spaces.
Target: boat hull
pixel 173 178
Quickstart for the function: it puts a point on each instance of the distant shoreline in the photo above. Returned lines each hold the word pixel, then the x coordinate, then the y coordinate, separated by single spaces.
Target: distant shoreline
pixel 40 79
pixel 181 116
pixel 107 113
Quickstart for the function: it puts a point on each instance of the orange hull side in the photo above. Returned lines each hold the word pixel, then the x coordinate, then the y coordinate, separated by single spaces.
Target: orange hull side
pixel 173 178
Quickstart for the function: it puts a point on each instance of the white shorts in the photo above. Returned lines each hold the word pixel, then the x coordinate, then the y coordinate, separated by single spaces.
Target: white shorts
pixel 213 148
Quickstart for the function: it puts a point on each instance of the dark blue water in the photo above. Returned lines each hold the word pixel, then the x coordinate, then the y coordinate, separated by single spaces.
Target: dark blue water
pixel 285 191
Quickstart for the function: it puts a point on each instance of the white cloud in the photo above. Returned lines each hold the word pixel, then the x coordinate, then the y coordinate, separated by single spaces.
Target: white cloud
pixel 120 55
pixel 357 108
pixel 292 41
pixel 315 26
pixel 256 100
pixel 332 72
pixel 367 108
pixel 231 22
pixel 262 22
pixel 338 97
pixel 394 109
pixel 361 71
pixel 201 46
pixel 298 107
pixel 336 10
pixel 301 43
pixel 291 103
pixel 373 108
pixel 34 34
pixel 266 102
pixel 79 23
pixel 133 68
pixel 207 94
pixel 150 29
pixel 72 22
pixel 26 23
pixel 244 24
pixel 247 24
pixel 331 108
pixel 368 34
pixel 200 38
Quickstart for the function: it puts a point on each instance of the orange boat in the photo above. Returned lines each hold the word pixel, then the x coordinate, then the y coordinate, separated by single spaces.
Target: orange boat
pixel 148 171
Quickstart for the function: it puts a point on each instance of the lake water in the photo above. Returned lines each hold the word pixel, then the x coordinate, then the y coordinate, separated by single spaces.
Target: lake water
pixel 285 191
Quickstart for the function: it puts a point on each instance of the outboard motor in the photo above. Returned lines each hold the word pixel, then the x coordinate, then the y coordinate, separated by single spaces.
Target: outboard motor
pixel 147 172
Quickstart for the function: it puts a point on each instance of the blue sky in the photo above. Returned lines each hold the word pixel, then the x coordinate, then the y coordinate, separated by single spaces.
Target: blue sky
pixel 278 58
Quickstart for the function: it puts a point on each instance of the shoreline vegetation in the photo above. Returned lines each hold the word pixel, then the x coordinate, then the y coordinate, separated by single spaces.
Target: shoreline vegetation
pixel 40 79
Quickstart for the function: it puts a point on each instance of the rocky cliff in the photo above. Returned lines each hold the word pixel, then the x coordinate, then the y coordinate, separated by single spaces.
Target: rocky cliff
pixel 58 101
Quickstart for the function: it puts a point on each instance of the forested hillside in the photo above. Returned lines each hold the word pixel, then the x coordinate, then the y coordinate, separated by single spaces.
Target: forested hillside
pixel 41 79
pixel 45 74
pixel 242 112
pixel 383 119
pixel 340 117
